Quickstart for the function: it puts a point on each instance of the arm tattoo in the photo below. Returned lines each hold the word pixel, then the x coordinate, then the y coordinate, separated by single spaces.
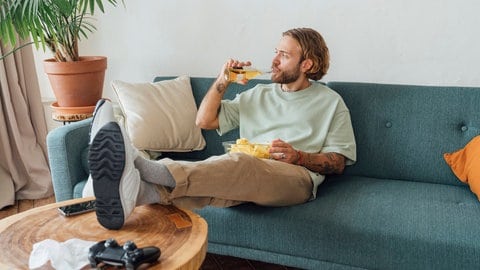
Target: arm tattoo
pixel 221 88
pixel 326 163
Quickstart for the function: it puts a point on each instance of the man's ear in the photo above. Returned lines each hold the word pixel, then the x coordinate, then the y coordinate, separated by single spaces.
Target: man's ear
pixel 307 64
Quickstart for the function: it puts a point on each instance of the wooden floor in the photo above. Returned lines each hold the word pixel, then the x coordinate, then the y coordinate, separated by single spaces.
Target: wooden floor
pixel 212 261
pixel 24 205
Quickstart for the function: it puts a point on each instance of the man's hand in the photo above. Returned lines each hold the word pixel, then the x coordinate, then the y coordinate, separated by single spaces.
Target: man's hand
pixel 283 151
pixel 323 163
pixel 232 63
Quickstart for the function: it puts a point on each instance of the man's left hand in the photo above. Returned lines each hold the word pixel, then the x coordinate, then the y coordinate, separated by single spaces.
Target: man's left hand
pixel 283 151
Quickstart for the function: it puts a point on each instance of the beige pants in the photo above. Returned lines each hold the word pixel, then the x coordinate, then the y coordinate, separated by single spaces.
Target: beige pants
pixel 232 179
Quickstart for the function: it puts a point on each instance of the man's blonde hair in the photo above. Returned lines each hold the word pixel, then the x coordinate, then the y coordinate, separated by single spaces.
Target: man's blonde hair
pixel 314 48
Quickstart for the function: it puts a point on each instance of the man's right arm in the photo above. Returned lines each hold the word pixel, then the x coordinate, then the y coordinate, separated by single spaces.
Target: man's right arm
pixel 207 115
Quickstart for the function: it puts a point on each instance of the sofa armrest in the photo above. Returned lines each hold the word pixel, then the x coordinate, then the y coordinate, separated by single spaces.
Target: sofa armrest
pixel 65 147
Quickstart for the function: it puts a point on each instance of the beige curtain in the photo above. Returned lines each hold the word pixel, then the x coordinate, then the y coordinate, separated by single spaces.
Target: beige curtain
pixel 24 170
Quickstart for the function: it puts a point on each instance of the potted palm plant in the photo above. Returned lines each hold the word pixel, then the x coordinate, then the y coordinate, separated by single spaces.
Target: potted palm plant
pixel 58 25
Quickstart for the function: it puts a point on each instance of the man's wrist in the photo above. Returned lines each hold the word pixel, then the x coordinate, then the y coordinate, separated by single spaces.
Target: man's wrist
pixel 299 160
pixel 221 84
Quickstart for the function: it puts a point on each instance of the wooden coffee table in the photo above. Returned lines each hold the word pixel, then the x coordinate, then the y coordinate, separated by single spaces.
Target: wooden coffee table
pixel 181 235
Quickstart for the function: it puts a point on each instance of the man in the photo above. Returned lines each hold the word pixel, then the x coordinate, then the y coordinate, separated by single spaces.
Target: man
pixel 307 123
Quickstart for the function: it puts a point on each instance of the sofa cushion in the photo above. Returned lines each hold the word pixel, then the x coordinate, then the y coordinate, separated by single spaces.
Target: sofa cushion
pixel 160 116
pixel 357 221
pixel 465 164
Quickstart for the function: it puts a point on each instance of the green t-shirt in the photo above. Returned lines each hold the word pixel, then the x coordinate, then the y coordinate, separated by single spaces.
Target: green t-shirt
pixel 313 120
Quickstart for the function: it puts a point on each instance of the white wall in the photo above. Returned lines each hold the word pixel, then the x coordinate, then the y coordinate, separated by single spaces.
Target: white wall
pixel 433 42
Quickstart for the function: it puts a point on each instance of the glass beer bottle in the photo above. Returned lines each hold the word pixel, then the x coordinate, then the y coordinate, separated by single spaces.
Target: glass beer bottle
pixel 239 74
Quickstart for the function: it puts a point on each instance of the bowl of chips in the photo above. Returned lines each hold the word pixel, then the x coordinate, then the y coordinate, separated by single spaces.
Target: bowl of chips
pixel 242 145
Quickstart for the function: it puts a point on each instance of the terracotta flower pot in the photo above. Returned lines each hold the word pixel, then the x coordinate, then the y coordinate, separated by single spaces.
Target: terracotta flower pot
pixel 79 83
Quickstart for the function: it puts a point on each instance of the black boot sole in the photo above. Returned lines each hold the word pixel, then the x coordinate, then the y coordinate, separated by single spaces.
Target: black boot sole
pixel 107 161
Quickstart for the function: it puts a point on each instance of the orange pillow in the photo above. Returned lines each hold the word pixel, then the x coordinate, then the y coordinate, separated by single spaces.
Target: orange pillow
pixel 465 164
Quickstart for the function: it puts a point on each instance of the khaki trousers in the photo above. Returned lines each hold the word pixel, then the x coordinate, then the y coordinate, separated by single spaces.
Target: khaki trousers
pixel 236 178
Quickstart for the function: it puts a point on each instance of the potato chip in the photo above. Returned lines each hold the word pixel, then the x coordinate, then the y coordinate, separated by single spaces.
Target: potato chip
pixel 242 145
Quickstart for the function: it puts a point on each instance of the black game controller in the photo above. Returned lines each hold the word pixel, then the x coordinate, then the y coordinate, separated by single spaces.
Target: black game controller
pixel 129 256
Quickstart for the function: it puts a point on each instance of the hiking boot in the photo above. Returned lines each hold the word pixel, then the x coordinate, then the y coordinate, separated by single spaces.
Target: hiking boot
pixel 116 181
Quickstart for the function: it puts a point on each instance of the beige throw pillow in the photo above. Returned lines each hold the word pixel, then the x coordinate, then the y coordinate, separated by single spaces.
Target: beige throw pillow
pixel 160 116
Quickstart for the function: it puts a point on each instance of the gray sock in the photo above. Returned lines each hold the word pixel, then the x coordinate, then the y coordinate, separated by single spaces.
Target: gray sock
pixel 148 194
pixel 154 172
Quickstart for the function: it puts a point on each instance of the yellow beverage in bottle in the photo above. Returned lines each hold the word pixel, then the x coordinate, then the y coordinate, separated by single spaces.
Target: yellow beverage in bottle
pixel 240 74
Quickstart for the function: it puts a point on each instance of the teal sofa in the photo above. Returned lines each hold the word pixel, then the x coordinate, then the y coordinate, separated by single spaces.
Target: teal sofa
pixel 399 207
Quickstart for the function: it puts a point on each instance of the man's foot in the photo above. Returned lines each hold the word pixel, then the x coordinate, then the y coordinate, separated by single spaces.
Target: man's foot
pixel 116 182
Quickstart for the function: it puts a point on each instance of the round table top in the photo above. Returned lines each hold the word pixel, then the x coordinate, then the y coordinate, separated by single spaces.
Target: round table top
pixel 181 235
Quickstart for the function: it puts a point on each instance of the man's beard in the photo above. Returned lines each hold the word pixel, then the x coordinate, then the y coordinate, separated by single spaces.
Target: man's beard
pixel 286 77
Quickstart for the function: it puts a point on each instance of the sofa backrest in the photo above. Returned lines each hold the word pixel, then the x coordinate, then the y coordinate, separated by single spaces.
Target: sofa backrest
pixel 200 86
pixel 402 131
